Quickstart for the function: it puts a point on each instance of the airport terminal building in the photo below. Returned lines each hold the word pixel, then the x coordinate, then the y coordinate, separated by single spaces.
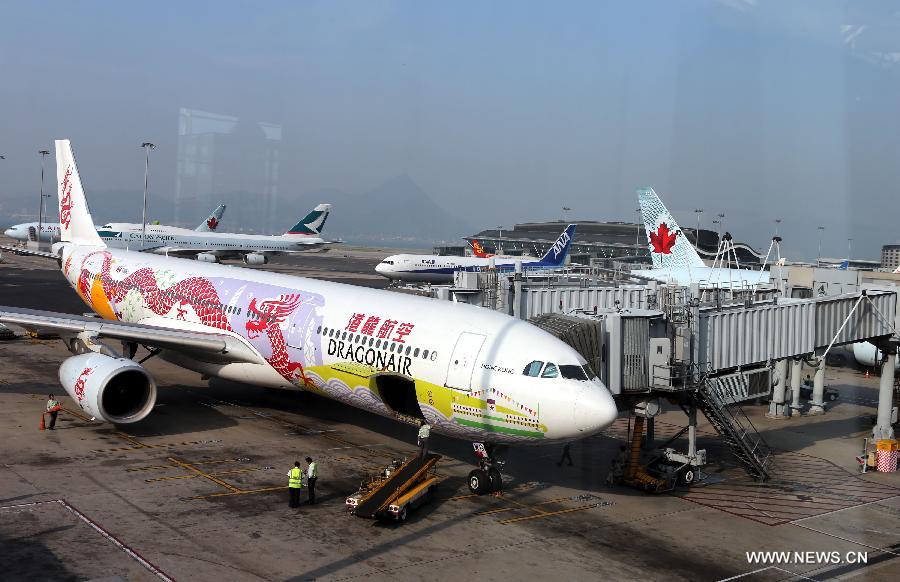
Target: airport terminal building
pixel 620 241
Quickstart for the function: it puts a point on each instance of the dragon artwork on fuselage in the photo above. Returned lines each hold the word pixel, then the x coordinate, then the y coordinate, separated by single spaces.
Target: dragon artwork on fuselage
pixel 284 325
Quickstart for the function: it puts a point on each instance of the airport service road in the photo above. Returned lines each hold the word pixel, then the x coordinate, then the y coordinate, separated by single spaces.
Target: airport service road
pixel 197 491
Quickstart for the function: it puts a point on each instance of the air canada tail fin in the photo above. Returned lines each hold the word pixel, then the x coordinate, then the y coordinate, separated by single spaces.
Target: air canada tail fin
pixel 212 222
pixel 556 254
pixel 897 270
pixel 669 247
pixel 75 222
pixel 313 223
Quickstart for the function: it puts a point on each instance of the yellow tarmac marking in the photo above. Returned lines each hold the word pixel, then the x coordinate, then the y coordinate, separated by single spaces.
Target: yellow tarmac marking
pixel 548 513
pixel 190 467
pixel 194 476
pixel 521 505
pixel 239 492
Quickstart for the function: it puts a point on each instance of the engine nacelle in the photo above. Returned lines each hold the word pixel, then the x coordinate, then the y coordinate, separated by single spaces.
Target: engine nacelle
pixel 114 390
pixel 256 259
pixel 868 355
pixel 207 258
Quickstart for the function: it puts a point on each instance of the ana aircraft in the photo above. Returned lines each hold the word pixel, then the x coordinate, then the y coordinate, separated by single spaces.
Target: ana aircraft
pixel 50 230
pixel 440 269
pixel 674 258
pixel 211 247
pixel 472 373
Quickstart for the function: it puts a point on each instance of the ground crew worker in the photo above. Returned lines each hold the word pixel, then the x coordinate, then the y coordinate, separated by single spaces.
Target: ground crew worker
pixel 566 454
pixel 53 408
pixel 617 466
pixel 295 483
pixel 424 434
pixel 312 475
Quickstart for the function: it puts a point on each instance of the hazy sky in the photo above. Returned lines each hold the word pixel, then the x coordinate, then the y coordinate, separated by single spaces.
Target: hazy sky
pixel 502 111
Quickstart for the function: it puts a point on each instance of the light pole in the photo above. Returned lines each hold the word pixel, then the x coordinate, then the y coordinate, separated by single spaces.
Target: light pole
pixel 777 223
pixel 500 242
pixel 147 147
pixel 821 230
pixel 44 153
pixel 566 210
pixel 699 212
pixel 849 249
pixel 637 232
pixel 721 216
pixel 718 229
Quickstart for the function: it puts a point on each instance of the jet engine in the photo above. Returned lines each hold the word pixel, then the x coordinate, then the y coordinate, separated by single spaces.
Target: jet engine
pixel 256 259
pixel 207 258
pixel 116 390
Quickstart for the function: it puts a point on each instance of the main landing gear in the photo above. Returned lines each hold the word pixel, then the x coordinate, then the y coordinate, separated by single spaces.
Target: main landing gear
pixel 486 478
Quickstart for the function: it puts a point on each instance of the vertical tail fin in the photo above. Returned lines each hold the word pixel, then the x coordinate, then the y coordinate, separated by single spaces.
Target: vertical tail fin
pixel 478 250
pixel 669 247
pixel 313 223
pixel 556 254
pixel 75 222
pixel 212 222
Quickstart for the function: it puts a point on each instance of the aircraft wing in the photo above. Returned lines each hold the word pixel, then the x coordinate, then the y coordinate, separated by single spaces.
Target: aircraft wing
pixel 212 347
pixel 30 252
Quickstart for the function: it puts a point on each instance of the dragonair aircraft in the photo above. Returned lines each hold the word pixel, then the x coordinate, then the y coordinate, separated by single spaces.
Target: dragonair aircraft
pixel 472 373
pixel 50 230
pixel 675 260
pixel 211 247
pixel 440 269
pixel 478 251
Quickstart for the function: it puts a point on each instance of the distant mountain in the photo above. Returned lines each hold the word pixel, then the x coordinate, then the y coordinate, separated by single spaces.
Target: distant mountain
pixel 397 210
pixel 106 206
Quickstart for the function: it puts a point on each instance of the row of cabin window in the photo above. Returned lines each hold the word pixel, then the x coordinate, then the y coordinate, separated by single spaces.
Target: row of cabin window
pixel 538 369
pixel 373 342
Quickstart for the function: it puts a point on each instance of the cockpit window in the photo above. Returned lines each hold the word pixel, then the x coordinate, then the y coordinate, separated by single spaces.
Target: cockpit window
pixel 573 372
pixel 533 369
pixel 590 373
pixel 550 371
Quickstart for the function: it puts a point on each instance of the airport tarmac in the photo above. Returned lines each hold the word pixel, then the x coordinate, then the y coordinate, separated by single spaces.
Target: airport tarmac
pixel 198 489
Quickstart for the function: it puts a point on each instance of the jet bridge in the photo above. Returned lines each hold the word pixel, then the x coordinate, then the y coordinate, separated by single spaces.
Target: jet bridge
pixel 714 355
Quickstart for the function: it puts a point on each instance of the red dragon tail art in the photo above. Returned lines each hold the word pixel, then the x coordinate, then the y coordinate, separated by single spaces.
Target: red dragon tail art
pixel 267 316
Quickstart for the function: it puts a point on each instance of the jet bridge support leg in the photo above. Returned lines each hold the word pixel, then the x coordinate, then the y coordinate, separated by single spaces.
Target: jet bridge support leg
pixel 883 428
pixel 818 398
pixel 796 367
pixel 777 409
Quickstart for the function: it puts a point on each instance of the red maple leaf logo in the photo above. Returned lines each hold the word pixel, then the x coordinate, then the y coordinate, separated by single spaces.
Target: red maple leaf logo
pixel 212 223
pixel 663 240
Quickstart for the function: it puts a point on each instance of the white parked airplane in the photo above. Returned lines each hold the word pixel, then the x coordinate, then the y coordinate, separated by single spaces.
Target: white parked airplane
pixel 211 247
pixel 674 258
pixel 50 230
pixel 472 373
pixel 868 355
pixel 440 269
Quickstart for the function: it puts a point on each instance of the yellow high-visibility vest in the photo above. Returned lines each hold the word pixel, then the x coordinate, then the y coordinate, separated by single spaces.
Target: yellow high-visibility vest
pixel 295 478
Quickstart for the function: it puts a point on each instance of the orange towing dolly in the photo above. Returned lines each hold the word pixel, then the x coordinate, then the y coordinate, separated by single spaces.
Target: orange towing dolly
pixel 402 486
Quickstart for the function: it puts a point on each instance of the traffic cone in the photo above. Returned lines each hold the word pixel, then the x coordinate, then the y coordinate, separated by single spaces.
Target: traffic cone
pixel 867 373
pixel 42 423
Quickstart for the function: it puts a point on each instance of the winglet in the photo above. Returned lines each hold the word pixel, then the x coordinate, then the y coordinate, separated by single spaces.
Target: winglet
pixel 668 245
pixel 212 222
pixel 557 253
pixel 75 222
pixel 313 223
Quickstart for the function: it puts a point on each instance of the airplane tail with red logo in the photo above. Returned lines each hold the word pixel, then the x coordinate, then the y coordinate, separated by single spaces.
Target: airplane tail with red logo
pixel 478 250
pixel 75 222
pixel 212 221
pixel 669 247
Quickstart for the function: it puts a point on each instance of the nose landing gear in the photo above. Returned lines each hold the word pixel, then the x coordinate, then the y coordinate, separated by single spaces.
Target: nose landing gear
pixel 486 478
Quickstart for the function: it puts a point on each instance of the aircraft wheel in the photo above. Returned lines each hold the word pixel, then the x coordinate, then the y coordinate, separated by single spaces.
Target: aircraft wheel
pixel 496 479
pixel 479 482
pixel 832 397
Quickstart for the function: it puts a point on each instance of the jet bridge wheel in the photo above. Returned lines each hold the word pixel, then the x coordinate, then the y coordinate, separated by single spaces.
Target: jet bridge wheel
pixel 479 482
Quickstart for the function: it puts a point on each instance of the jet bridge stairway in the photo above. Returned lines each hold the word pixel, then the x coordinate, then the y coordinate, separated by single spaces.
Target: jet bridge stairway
pixel 736 429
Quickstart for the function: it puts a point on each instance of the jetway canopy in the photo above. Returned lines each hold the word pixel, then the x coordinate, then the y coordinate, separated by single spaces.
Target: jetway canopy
pixel 746 336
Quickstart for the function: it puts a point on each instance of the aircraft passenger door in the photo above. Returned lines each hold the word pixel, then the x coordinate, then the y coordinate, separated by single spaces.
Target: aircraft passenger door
pixel 462 362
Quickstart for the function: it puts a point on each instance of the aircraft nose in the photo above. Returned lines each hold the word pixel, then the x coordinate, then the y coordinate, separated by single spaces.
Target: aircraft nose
pixel 10 233
pixel 595 409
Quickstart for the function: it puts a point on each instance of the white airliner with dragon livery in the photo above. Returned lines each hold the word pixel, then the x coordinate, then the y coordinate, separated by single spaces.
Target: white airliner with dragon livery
pixel 471 373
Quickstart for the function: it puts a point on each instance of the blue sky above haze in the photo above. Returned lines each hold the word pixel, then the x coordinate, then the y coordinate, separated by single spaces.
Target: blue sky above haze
pixel 503 111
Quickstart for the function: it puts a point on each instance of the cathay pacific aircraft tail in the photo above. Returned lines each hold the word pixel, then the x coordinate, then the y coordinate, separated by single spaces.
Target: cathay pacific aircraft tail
pixel 313 223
